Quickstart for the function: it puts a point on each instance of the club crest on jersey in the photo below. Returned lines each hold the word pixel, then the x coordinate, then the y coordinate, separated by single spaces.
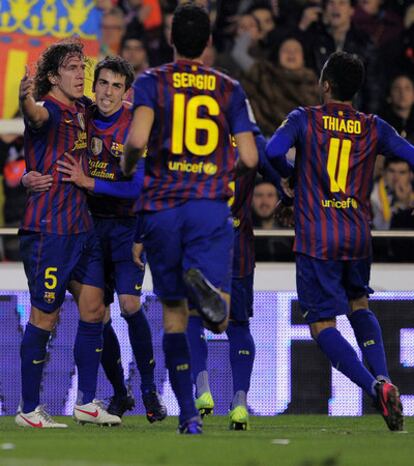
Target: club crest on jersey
pixel 81 120
pixel 49 297
pixel 96 145
pixel 117 149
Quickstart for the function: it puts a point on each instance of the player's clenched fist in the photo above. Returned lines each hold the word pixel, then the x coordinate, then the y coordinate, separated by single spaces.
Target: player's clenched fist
pixel 26 85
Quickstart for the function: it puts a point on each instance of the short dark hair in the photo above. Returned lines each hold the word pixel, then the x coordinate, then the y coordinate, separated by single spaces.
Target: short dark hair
pixel 190 30
pixel 51 60
pixel 345 73
pixel 352 3
pixel 117 65
pixel 391 160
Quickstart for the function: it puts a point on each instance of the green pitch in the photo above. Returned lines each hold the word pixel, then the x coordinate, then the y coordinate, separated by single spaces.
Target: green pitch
pixel 282 440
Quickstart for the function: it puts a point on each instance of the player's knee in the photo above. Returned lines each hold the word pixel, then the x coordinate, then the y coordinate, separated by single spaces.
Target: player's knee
pixel 95 313
pixel 44 320
pixel 358 304
pixel 317 327
pixel 129 304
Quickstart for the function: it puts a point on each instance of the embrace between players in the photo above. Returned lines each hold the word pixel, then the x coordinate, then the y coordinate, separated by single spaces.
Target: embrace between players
pixel 83 157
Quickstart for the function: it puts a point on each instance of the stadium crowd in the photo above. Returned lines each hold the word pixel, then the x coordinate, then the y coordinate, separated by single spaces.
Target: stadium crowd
pixel 276 49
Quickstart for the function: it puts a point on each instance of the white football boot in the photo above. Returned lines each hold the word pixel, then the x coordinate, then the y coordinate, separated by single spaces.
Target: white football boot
pixel 95 413
pixel 38 418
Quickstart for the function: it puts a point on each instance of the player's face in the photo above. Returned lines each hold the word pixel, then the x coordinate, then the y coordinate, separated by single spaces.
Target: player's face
pixel 68 84
pixel 291 55
pixel 339 13
pixel 109 91
pixel 402 93
pixel 134 53
pixel 264 200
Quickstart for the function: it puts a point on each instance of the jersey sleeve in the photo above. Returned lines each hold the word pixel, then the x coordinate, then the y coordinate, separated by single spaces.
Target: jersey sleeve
pixel 145 91
pixel 391 144
pixel 239 113
pixel 283 139
pixel 122 189
pixel 53 120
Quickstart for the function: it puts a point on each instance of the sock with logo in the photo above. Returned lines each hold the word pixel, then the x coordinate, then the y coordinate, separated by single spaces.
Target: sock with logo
pixel 88 351
pixel 33 357
pixel 141 341
pixel 111 360
pixel 242 352
pixel 177 360
pixel 368 334
pixel 198 350
pixel 344 359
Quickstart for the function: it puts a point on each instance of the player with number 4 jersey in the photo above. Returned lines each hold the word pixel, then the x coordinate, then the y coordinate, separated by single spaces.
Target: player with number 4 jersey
pixel 336 148
pixel 184 113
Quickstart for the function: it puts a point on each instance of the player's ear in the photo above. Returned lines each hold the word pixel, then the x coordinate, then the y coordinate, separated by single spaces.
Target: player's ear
pixel 326 87
pixel 52 78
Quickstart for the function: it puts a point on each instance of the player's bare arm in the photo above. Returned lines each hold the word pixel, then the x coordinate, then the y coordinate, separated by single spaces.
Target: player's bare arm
pixel 138 137
pixel 36 114
pixel 74 173
pixel 36 182
pixel 246 146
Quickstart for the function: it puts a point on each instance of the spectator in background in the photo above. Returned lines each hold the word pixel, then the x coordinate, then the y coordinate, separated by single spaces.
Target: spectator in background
pixel 160 50
pixel 113 29
pixel 265 200
pixel 241 54
pixel 133 50
pixel 332 31
pixel 275 90
pixel 12 167
pixel 398 111
pixel 392 193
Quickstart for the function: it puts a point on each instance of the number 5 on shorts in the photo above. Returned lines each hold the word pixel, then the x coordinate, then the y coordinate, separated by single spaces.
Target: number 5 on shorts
pixel 50 278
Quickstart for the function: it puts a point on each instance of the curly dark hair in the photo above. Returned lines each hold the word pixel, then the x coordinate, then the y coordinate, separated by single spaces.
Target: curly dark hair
pixel 117 65
pixel 50 61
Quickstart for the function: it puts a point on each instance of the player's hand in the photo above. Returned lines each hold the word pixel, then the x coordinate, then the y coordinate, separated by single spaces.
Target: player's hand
pixel 74 171
pixel 137 250
pixel 287 188
pixel 36 182
pixel 26 87
pixel 284 215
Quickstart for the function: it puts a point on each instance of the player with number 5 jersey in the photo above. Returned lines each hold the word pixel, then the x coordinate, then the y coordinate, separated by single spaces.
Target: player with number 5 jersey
pixel 184 113
pixel 336 148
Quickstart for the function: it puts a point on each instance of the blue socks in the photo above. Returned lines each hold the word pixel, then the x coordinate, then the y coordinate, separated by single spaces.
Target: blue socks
pixel 111 360
pixel 88 350
pixel 199 352
pixel 369 337
pixel 242 352
pixel 33 357
pixel 177 360
pixel 141 341
pixel 344 359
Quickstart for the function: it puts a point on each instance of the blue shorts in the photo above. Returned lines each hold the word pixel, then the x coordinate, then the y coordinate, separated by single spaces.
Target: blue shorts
pixel 121 273
pixel 325 287
pixel 52 261
pixel 241 307
pixel 197 234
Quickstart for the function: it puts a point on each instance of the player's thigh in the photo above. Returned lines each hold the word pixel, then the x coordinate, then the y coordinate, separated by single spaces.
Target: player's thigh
pixel 319 284
pixel 48 262
pixel 356 282
pixel 241 306
pixel 163 246
pixel 89 269
pixel 89 300
pixel 208 241
pixel 128 279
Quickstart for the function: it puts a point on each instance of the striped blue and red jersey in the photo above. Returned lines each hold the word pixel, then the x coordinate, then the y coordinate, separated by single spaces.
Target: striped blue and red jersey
pixel 62 210
pixel 240 204
pixel 106 139
pixel 336 148
pixel 196 108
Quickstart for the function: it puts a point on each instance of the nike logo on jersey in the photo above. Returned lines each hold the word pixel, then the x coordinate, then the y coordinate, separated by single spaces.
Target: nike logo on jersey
pixel 38 361
pixel 138 287
pixel 93 414
pixel 33 424
pixel 68 122
pixel 99 350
